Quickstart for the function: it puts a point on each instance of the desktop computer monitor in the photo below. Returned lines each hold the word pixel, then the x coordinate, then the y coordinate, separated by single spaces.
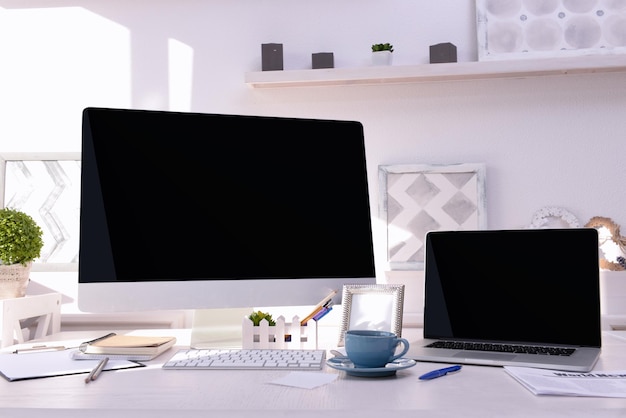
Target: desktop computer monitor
pixel 202 211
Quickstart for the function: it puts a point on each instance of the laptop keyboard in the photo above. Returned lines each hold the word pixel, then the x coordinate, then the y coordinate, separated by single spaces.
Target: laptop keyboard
pixel 246 359
pixel 504 348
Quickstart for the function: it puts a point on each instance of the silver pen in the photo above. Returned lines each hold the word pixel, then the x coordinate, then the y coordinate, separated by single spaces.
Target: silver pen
pixel 93 375
pixel 39 349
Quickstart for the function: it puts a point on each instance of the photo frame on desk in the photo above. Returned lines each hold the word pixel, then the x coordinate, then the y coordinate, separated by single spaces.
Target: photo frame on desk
pixel 377 307
pixel 418 198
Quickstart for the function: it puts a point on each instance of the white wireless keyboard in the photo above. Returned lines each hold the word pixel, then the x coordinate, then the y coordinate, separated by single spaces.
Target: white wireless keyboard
pixel 246 359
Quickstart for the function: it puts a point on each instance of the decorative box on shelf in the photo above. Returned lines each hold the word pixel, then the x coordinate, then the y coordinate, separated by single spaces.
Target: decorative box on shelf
pixel 280 336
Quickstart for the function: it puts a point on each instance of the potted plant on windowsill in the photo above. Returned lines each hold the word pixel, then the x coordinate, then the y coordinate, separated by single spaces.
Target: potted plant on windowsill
pixel 20 243
pixel 382 54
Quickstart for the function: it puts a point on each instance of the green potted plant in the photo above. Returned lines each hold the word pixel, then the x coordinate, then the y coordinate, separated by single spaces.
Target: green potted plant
pixel 382 47
pixel 382 54
pixel 20 243
pixel 258 316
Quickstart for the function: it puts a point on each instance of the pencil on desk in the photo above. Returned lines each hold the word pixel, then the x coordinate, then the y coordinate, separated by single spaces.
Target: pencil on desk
pixel 100 367
pixel 93 375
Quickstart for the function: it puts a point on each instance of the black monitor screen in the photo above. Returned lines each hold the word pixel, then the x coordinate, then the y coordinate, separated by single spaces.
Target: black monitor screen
pixel 170 196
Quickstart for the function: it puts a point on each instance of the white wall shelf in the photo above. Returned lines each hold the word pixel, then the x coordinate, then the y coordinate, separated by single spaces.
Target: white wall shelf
pixel 438 72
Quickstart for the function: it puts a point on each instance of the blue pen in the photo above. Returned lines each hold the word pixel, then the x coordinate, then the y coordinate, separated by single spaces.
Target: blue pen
pixel 441 372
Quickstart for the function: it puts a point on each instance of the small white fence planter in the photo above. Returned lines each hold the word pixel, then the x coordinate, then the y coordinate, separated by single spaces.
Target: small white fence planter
pixel 280 336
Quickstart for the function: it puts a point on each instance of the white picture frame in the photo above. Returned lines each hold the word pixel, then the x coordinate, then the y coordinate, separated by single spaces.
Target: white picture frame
pixel 547 29
pixel 378 307
pixel 415 199
pixel 46 186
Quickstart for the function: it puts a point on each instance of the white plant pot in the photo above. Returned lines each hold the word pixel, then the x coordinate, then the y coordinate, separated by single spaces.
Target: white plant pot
pixel 382 58
pixel 14 279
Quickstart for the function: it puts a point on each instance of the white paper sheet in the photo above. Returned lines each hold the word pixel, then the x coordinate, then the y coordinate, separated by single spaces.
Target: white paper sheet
pixel 305 380
pixel 51 363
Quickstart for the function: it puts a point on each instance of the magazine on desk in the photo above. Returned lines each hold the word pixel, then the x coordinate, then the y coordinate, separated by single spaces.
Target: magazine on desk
pixel 553 382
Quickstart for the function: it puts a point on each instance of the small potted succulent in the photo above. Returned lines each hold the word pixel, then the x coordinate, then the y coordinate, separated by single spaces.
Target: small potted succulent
pixel 20 243
pixel 256 318
pixel 382 54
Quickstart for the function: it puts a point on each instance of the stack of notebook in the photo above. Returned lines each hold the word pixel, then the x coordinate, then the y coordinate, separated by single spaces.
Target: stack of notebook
pixel 129 347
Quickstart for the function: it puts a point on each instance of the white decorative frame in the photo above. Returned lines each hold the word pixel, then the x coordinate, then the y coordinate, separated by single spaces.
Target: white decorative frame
pixel 47 187
pixel 549 28
pixel 415 199
pixel 377 307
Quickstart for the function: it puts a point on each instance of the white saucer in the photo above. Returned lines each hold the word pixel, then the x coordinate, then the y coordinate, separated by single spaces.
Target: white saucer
pixel 389 370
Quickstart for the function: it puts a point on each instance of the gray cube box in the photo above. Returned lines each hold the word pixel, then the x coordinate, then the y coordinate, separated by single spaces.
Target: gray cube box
pixel 322 60
pixel 271 57
pixel 445 52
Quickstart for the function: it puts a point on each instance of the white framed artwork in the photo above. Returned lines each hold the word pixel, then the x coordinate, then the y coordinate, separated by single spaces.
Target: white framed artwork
pixel 47 187
pixel 517 29
pixel 415 199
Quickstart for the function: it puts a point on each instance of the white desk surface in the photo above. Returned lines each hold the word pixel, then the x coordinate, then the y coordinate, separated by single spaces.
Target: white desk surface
pixel 477 391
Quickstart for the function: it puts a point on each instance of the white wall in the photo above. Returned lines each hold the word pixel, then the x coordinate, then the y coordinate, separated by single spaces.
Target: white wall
pixel 554 141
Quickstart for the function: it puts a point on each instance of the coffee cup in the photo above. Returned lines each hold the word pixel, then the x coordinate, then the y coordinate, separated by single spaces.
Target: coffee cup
pixel 373 348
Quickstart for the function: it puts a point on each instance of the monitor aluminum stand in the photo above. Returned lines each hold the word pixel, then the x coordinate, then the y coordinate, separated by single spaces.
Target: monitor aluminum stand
pixel 218 328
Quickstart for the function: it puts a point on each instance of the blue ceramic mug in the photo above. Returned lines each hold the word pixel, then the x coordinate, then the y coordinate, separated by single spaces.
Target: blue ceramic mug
pixel 371 348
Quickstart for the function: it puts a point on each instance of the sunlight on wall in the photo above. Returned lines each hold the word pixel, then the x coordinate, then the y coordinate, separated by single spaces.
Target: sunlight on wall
pixel 58 61
pixel 180 75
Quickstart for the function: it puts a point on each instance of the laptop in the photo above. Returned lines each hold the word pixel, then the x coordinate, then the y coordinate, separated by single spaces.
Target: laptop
pixel 532 294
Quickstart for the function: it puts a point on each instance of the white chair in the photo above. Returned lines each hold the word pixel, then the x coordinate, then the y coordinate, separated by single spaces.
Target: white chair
pixel 28 318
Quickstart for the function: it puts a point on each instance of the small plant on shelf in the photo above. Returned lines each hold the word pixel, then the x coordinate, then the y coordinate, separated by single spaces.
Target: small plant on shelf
pixel 382 47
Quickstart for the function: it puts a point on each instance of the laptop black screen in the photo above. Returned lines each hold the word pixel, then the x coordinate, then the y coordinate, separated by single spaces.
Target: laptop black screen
pixel 531 285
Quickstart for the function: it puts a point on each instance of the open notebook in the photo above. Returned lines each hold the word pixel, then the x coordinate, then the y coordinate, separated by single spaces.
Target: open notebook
pixel 533 287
